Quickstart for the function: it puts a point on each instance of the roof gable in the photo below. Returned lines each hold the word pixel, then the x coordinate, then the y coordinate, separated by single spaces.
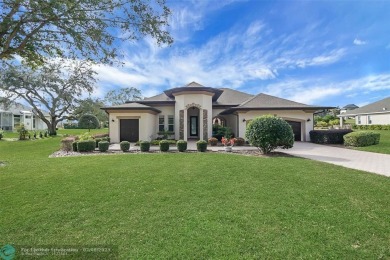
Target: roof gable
pixel 381 106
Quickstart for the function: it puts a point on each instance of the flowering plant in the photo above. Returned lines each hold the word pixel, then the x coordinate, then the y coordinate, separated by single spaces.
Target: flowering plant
pixel 227 141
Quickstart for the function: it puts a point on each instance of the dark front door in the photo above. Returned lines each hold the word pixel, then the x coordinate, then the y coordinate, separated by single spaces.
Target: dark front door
pixel 129 130
pixel 296 127
pixel 193 126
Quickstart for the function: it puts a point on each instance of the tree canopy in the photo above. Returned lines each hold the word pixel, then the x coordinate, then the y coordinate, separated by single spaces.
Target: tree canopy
pixel 121 96
pixel 90 106
pixel 88 29
pixel 52 90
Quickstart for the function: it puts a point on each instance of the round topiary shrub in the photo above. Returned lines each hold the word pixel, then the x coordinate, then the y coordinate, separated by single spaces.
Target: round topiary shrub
pixel 86 146
pixel 103 146
pixel 125 146
pixel 269 132
pixel 201 146
pixel 145 146
pixel 239 141
pixel 164 145
pixel 213 141
pixel 181 145
pixel 88 122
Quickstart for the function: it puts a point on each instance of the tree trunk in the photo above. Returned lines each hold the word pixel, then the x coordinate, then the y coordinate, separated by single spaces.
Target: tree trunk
pixel 51 126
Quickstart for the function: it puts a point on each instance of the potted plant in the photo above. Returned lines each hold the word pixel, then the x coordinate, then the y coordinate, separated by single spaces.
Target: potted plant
pixel 228 143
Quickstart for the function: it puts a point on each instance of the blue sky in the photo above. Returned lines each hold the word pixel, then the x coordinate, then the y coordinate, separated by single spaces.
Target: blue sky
pixel 316 52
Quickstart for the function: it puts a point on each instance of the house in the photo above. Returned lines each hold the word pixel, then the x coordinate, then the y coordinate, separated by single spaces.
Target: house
pixel 377 113
pixel 12 116
pixel 189 112
pixel 348 108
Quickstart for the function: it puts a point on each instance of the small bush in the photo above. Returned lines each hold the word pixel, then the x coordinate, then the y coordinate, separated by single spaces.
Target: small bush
pixel 74 146
pixel 67 144
pixel 144 146
pixel 97 140
pixel 125 146
pixel 85 136
pixel 269 132
pixel 181 145
pixel 328 136
pixel 40 135
pixel 103 146
pixel 321 124
pixel 371 127
pixel 360 139
pixel 100 135
pixel 1 135
pixel 47 134
pixel 86 146
pixel 334 122
pixel 164 145
pixel 201 146
pixel 213 141
pixel 239 141
pixel 88 122
pixel 23 132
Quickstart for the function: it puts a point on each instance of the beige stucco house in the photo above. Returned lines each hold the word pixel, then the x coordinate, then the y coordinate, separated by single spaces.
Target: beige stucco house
pixel 189 112
pixel 377 113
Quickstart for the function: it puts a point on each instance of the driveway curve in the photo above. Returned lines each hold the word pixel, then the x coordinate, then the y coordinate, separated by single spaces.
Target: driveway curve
pixel 360 160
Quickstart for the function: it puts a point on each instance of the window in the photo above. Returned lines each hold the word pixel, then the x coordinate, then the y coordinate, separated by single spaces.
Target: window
pixel 171 123
pixel 369 119
pixel 359 120
pixel 27 117
pixel 161 123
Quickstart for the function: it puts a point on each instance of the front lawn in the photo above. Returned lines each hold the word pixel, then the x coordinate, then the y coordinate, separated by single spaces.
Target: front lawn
pixel 192 205
pixel 384 143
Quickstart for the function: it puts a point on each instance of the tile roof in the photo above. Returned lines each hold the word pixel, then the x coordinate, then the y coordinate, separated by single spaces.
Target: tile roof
pixel 267 101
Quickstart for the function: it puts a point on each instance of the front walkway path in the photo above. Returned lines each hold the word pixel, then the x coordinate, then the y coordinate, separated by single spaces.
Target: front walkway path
pixel 365 161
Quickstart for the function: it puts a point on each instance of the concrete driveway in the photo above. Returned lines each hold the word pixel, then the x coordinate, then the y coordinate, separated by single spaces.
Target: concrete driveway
pixel 365 161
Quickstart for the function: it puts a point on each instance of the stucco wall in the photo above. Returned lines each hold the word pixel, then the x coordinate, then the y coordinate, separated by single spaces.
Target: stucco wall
pixel 298 115
pixel 147 124
pixel 376 119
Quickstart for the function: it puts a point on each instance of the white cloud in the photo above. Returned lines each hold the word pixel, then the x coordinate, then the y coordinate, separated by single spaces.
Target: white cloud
pixel 359 42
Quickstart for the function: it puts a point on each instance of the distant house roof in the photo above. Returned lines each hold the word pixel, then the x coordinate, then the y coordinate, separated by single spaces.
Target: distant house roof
pixel 350 107
pixel 131 106
pixel 381 106
pixel 19 109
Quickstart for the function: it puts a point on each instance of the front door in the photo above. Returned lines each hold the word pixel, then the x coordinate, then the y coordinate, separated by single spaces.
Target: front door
pixel 129 130
pixel 193 126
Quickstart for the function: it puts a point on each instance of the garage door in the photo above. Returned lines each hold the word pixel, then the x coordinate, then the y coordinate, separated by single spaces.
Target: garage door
pixel 129 130
pixel 296 127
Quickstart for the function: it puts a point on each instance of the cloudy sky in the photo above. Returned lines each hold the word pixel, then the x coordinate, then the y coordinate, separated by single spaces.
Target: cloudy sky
pixel 315 52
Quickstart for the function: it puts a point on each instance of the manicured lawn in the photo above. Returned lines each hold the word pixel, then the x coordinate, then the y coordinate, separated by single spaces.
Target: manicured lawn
pixel 383 146
pixel 60 131
pixel 192 205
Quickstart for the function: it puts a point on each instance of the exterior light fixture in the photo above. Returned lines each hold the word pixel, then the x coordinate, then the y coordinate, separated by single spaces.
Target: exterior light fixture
pixel 244 120
pixel 308 120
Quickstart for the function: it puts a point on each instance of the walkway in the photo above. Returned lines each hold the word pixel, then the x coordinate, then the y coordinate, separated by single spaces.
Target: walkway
pixel 365 161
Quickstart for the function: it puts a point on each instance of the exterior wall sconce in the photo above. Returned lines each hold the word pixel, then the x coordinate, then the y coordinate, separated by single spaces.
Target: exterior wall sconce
pixel 308 120
pixel 244 120
pixel 112 120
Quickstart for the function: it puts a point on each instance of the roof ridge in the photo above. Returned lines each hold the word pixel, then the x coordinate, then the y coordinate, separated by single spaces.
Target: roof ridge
pixel 250 99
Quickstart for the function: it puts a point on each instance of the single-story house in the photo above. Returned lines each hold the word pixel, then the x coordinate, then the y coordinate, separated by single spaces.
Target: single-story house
pixel 188 112
pixel 12 116
pixel 377 113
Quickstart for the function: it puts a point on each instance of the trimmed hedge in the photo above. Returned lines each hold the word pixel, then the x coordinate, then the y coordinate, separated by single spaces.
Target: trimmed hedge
pixel 334 136
pixel 201 146
pixel 164 145
pixel 371 127
pixel 181 145
pixel 213 141
pixel 103 146
pixel 239 141
pixel 145 146
pixel 74 146
pixel 125 146
pixel 86 146
pixel 97 140
pixel 360 139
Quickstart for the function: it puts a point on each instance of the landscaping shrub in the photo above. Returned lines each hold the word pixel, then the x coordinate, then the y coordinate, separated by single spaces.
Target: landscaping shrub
pixel 97 140
pixel 103 146
pixel 88 122
pixel 67 144
pixel 164 145
pixel 328 136
pixel 239 141
pixel 157 142
pixel 269 132
pixel 321 124
pixel 47 134
pixel 145 146
pixel 86 146
pixel 334 122
pixel 201 145
pixel 371 127
pixel 221 131
pixel 100 135
pixel 1 135
pixel 40 135
pixel 85 136
pixel 70 126
pixel 125 146
pixel 74 146
pixel 23 132
pixel 213 141
pixel 181 145
pixel 360 139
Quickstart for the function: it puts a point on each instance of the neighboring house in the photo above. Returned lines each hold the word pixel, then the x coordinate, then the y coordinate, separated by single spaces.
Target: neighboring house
pixel 12 116
pixel 190 111
pixel 377 113
pixel 348 108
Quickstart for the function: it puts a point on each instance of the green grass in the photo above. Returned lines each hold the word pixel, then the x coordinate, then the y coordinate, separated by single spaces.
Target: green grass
pixel 382 147
pixel 192 205
pixel 59 132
